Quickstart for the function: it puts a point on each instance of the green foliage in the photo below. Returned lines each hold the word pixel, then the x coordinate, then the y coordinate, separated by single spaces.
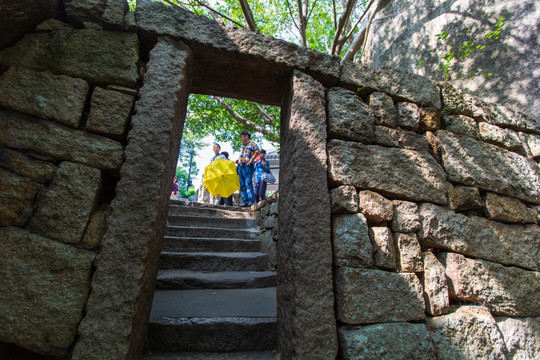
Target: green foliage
pixel 451 59
pixel 188 148
pixel 205 116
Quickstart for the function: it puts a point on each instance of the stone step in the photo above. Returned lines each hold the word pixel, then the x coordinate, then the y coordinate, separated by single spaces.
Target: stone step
pixel 187 279
pixel 171 243
pixel 212 221
pixel 212 334
pixel 210 232
pixel 213 320
pixel 214 261
pixel 197 209
pixel 267 355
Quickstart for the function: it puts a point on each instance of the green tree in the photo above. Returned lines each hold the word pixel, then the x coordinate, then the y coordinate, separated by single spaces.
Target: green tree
pixel 186 168
pixel 322 25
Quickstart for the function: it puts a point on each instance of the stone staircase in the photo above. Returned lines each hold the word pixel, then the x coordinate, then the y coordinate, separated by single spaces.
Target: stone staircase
pixel 213 297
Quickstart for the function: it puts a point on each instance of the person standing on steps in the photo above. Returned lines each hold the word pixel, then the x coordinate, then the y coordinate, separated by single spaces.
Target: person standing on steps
pixel 216 148
pixel 261 166
pixel 217 154
pixel 229 200
pixel 245 168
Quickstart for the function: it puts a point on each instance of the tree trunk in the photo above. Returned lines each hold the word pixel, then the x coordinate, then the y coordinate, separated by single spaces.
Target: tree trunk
pixel 248 15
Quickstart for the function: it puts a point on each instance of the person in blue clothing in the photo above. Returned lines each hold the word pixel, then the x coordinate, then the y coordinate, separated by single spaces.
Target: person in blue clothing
pixel 245 168
pixel 261 166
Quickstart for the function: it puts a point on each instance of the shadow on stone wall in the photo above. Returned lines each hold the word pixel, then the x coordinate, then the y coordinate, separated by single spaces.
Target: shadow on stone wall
pixel 403 33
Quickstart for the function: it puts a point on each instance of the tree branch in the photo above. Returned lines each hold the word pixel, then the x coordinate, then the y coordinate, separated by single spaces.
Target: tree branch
pixel 359 38
pixel 292 16
pixel 302 20
pixel 335 14
pixel 250 124
pixel 342 21
pixel 248 15
pixel 266 117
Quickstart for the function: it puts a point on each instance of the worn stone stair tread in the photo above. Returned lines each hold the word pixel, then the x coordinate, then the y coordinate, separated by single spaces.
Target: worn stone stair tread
pixel 211 221
pixel 212 334
pixel 211 232
pixel 189 208
pixel 198 244
pixel 187 279
pixel 212 303
pixel 214 261
pixel 266 355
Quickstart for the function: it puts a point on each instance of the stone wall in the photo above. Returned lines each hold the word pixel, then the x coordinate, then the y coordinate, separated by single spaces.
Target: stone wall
pixel 63 125
pixel 434 225
pixel 267 217
pixel 408 223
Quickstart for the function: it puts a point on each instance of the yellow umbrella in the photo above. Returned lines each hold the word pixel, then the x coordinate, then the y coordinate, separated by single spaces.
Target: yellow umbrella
pixel 220 178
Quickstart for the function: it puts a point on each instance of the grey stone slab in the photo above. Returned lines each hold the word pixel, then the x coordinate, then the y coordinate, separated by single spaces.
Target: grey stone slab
pixel 386 136
pixel 208 231
pixel 505 138
pixel 174 279
pixel 406 174
pixel 233 61
pixel 521 336
pixel 126 272
pixel 64 209
pixel 17 194
pixel 306 320
pixel 465 198
pixel 210 303
pixel 102 57
pixel 232 334
pixel 474 236
pixel 20 164
pixel 350 240
pixel 267 355
pixel 83 11
pixel 471 162
pixel 172 243
pixel 18 18
pixel 214 261
pixel 45 95
pixel 469 333
pixel 386 341
pixel 42 313
pixel 24 132
pixel 461 125
pixel 400 85
pixel 508 210
pixel 406 218
pixel 384 251
pixel 435 286
pixel 365 296
pixel 349 118
pixel 504 290
pixel 408 115
pixel 408 253
pixel 109 112
pixel 344 199
pixel 113 16
pixel 382 107
pixel 209 221
pixel 375 207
